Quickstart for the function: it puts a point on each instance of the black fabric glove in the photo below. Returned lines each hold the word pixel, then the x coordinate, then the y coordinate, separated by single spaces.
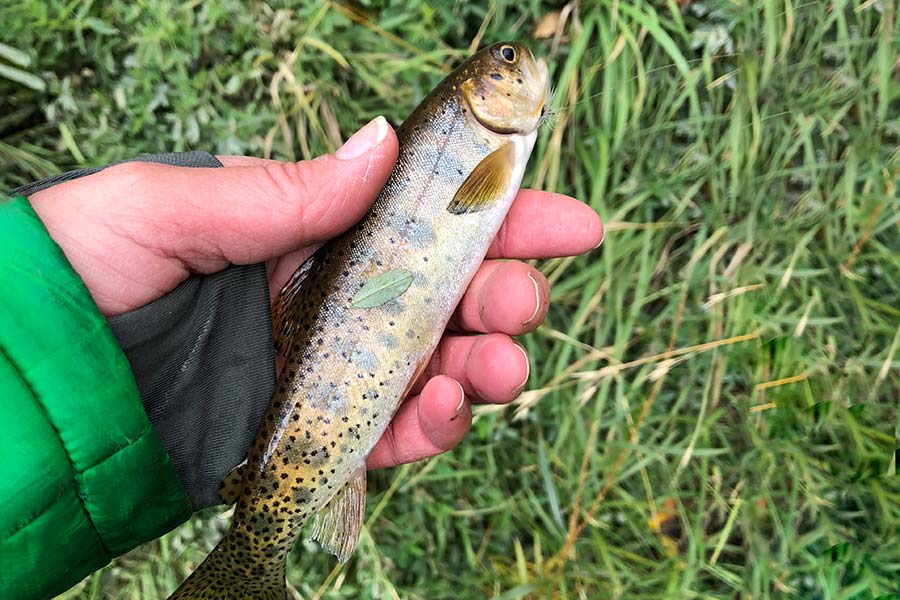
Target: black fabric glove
pixel 202 355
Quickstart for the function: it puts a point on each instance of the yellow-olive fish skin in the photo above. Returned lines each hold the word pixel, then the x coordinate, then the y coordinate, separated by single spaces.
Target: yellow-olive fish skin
pixel 462 155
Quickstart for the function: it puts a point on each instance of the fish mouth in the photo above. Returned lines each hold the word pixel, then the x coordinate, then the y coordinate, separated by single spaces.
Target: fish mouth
pixel 537 74
pixel 543 76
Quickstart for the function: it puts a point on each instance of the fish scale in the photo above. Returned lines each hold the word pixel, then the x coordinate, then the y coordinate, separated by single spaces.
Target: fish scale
pixel 348 368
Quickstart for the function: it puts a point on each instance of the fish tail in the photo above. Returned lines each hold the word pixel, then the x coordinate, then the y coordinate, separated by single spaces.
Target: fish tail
pixel 222 576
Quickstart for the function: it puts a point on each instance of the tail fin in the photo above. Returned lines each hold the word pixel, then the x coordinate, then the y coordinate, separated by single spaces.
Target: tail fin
pixel 222 576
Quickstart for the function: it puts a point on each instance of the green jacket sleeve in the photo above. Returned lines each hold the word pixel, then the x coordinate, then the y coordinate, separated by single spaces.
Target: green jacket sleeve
pixel 83 476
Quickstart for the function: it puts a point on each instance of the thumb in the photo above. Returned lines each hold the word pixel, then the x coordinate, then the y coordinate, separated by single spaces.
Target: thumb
pixel 248 214
pixel 134 231
pixel 251 214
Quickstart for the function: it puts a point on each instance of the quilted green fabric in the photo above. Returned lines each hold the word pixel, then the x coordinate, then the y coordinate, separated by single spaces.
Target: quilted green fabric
pixel 83 476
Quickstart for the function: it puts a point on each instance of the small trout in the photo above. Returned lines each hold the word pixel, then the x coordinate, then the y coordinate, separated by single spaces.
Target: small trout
pixel 358 322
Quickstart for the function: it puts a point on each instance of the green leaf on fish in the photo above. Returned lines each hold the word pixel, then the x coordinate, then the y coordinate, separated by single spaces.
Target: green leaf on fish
pixel 383 288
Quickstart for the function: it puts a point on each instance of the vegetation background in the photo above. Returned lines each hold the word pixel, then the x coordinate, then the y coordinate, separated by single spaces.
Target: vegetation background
pixel 714 397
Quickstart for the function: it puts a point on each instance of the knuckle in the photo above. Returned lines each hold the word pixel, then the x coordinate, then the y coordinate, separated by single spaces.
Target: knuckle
pixel 395 456
pixel 502 238
pixel 305 192
pixel 288 183
pixel 435 364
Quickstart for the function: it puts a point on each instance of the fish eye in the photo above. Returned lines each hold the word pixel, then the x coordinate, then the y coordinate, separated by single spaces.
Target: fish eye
pixel 508 53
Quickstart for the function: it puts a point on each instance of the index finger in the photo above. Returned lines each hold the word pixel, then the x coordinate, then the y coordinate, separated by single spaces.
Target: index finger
pixel 546 225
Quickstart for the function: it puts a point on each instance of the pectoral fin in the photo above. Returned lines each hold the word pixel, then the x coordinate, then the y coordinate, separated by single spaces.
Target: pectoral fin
pixel 487 184
pixel 285 319
pixel 230 488
pixel 337 526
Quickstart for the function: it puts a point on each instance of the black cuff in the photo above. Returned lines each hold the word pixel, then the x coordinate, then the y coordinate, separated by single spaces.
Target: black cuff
pixel 202 356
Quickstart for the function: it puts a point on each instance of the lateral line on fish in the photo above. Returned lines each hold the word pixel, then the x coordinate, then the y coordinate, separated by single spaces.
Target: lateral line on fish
pixel 442 146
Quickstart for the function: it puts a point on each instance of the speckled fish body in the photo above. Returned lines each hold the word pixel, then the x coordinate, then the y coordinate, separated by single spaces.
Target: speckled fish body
pixel 348 368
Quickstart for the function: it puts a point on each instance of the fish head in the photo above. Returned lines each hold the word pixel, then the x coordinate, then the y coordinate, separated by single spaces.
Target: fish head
pixel 505 88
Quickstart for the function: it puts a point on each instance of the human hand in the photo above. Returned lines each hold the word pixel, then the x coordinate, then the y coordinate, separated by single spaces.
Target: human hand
pixel 135 231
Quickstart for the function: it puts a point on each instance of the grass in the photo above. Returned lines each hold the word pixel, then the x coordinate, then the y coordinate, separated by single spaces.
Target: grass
pixel 714 396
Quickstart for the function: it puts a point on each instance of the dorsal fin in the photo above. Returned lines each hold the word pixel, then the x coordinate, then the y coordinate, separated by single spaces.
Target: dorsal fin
pixel 486 184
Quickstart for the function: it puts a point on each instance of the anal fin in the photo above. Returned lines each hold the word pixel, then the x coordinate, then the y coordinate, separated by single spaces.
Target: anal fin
pixel 337 526
pixel 230 488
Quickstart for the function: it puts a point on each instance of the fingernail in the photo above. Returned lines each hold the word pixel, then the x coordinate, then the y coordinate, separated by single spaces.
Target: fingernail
pixel 462 402
pixel 602 237
pixel 363 140
pixel 537 301
pixel 521 387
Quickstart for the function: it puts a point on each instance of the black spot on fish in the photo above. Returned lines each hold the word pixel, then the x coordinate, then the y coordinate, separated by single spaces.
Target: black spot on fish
pixel 496 76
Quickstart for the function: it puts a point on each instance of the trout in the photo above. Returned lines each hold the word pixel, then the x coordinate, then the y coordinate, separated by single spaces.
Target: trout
pixel 359 320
